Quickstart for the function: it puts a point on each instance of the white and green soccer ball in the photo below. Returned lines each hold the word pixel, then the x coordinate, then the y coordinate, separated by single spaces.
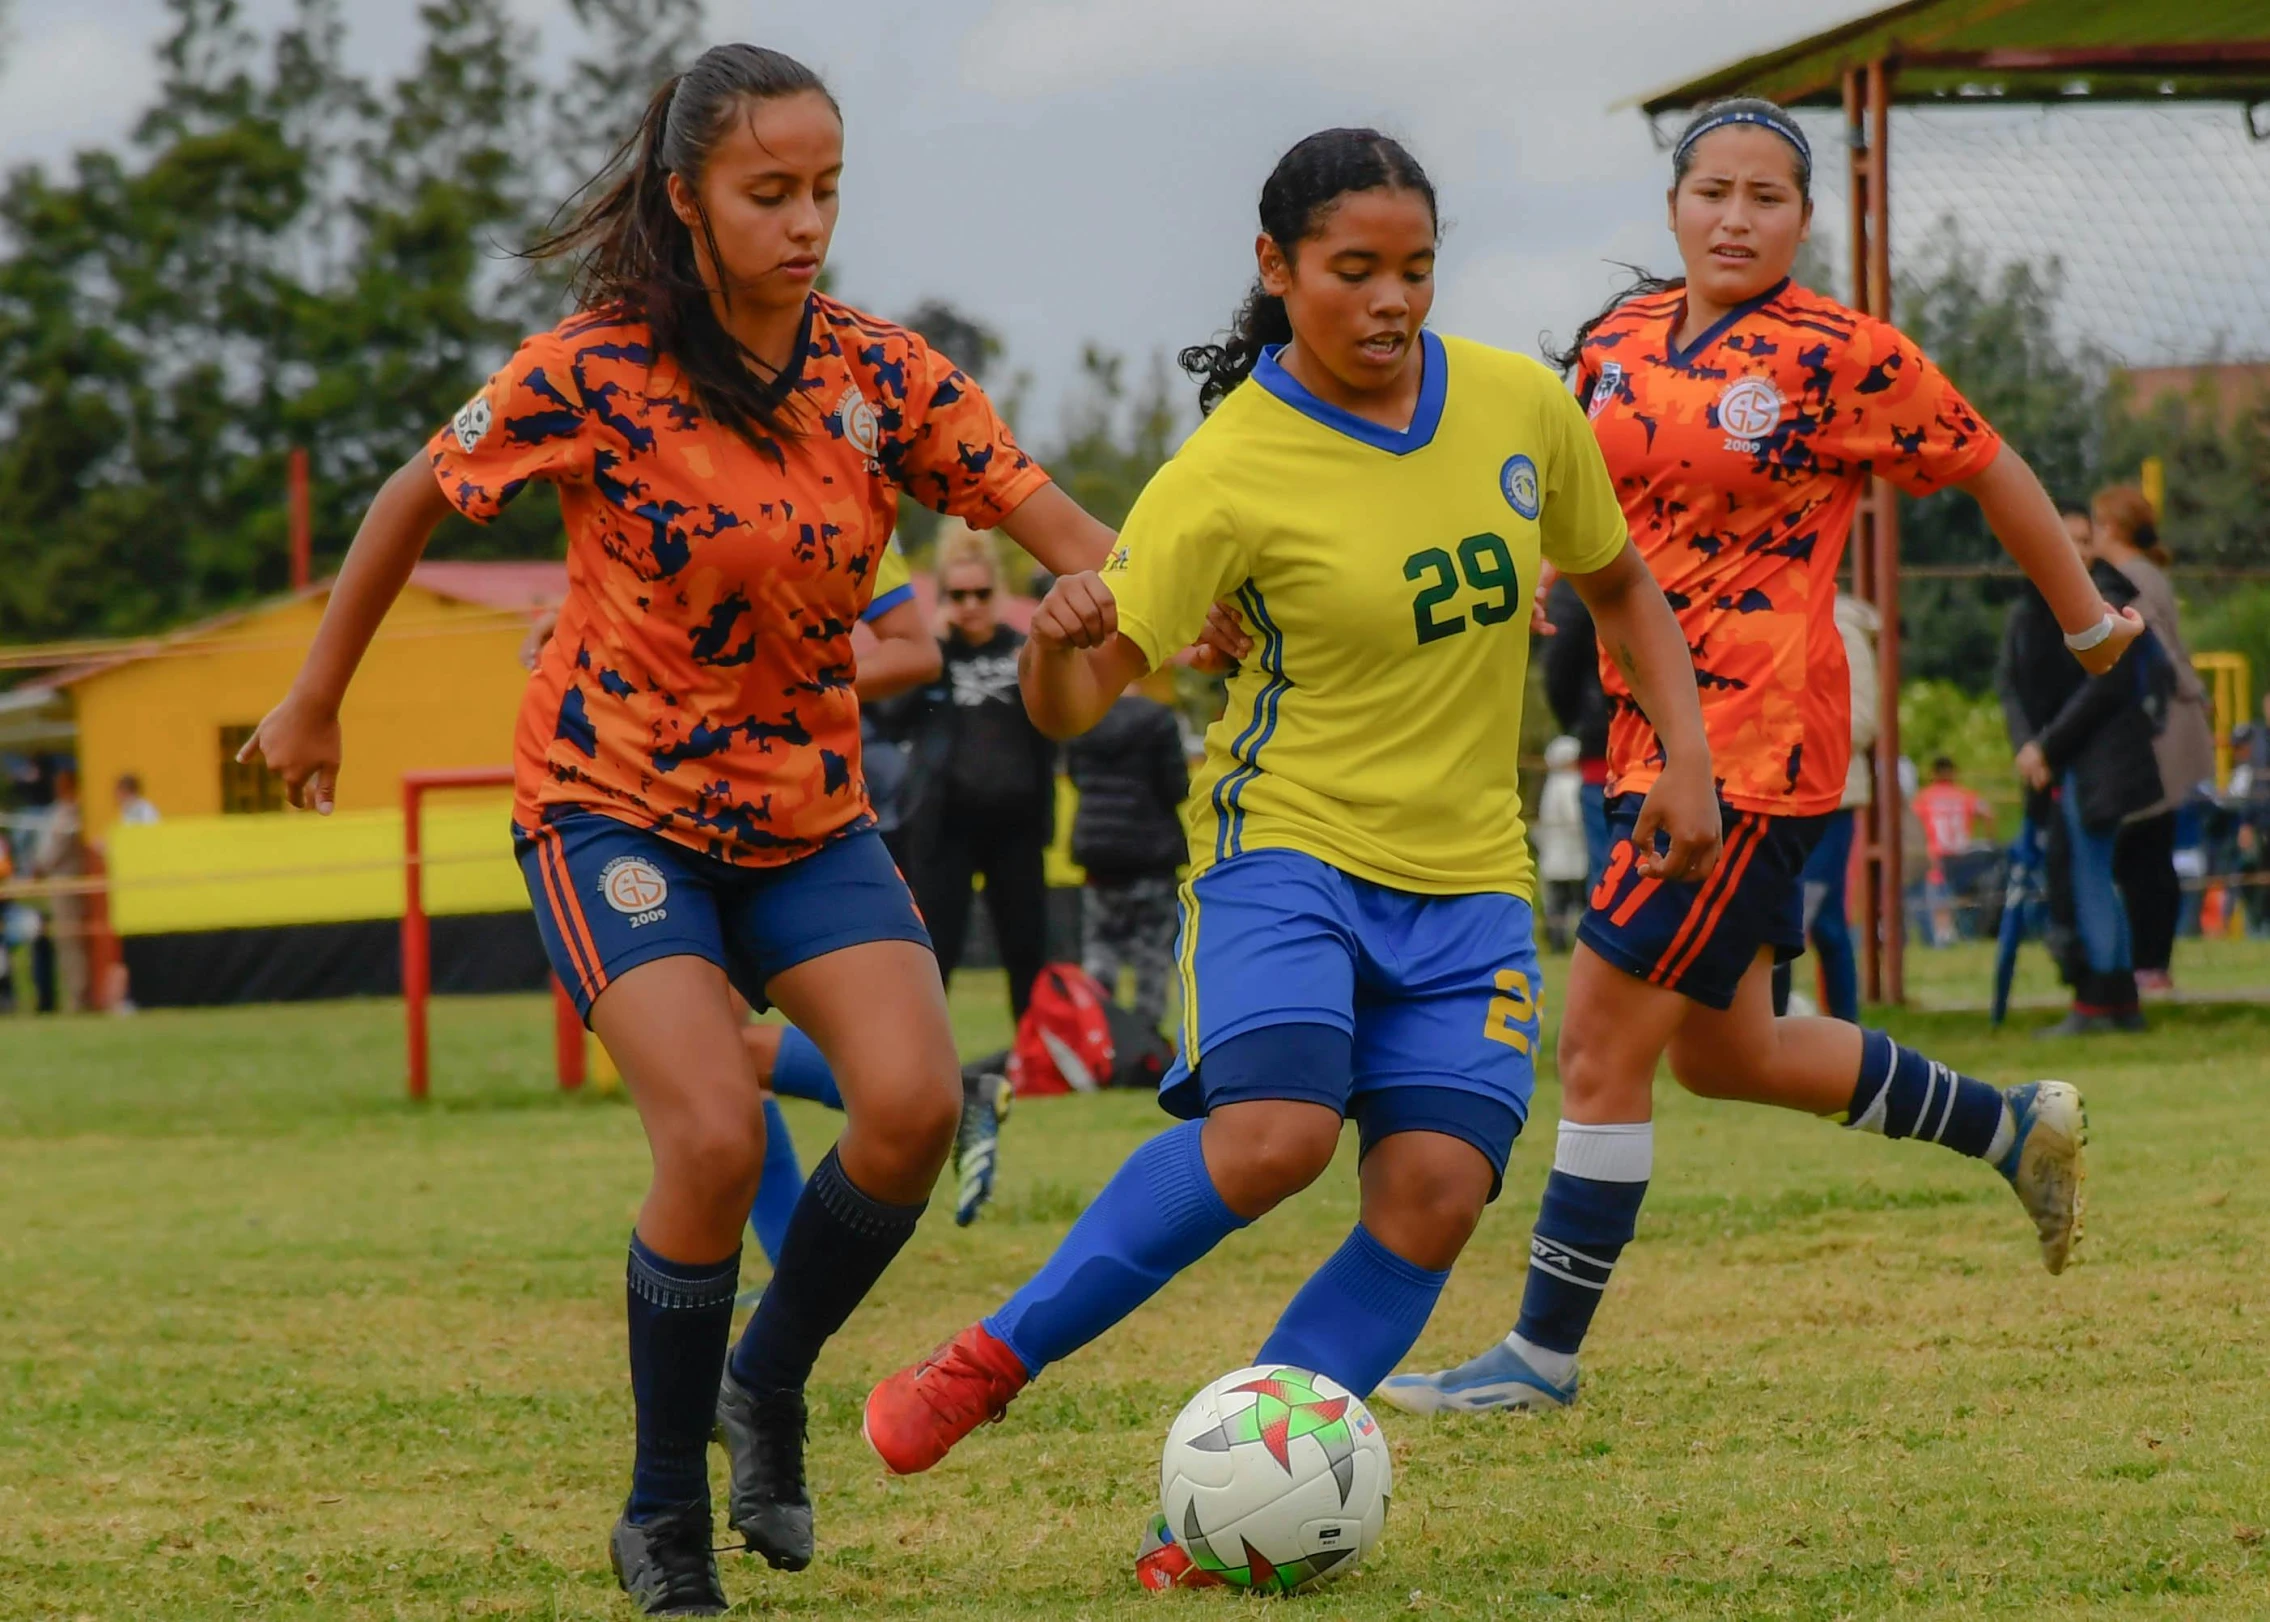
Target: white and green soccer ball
pixel 1275 1479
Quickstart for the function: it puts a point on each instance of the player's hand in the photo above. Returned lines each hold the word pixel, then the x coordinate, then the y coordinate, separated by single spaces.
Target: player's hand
pixel 539 633
pixel 299 741
pixel 2127 626
pixel 1683 808
pixel 1078 612
pixel 1222 644
pixel 2033 767
pixel 1539 624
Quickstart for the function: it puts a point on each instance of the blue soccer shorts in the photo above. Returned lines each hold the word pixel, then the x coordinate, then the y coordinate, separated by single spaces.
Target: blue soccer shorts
pixel 610 897
pixel 1700 939
pixel 1403 1012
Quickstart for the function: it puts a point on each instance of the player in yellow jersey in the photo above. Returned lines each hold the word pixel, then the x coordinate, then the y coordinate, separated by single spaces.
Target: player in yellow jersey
pixel 1356 939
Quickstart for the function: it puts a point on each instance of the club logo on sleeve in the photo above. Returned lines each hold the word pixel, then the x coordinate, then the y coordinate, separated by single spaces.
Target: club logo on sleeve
pixel 1605 390
pixel 471 424
pixel 1749 408
pixel 858 419
pixel 635 888
pixel 1117 562
pixel 1518 479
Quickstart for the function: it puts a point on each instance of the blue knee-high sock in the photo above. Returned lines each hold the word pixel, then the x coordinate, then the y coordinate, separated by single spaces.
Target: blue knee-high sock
pixel 800 1071
pixel 1902 1094
pixel 680 1317
pixel 782 1186
pixel 1159 1213
pixel 1357 1315
pixel 1589 1213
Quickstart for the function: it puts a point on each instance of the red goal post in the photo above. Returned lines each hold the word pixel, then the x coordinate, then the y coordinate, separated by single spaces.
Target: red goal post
pixel 417 933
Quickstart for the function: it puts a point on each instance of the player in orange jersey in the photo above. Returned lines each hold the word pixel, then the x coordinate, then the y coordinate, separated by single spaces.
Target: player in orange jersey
pixel 729 445
pixel 1742 418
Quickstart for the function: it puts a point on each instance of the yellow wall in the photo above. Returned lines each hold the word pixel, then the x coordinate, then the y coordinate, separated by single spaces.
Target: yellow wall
pixel 440 687
pixel 247 872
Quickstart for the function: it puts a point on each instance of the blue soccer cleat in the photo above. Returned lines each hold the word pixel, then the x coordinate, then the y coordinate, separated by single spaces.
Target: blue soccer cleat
pixel 2044 1163
pixel 1500 1378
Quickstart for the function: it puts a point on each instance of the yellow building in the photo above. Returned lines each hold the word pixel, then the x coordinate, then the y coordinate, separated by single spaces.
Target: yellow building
pixel 231 896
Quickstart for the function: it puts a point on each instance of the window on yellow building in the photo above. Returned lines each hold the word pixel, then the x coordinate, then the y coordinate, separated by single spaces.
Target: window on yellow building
pixel 247 785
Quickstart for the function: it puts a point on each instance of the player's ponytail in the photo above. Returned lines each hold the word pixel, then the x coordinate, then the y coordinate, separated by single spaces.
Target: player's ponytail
pixel 1754 110
pixel 631 253
pixel 1300 191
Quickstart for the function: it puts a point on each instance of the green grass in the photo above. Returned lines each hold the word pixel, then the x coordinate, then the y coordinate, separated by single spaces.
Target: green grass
pixel 274 1343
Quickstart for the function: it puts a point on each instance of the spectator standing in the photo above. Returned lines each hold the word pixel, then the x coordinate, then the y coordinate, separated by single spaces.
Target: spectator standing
pixel 1564 856
pixel 1951 813
pixel 2125 534
pixel 2250 799
pixel 58 855
pixel 1826 877
pixel 2084 751
pixel 134 807
pixel 991 809
pixel 1580 704
pixel 1132 777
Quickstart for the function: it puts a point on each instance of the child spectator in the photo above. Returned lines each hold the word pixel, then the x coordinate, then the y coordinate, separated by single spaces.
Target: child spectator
pixel 1563 857
pixel 1132 777
pixel 1950 814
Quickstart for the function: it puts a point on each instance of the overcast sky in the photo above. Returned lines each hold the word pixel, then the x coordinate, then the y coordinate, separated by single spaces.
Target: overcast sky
pixel 1074 170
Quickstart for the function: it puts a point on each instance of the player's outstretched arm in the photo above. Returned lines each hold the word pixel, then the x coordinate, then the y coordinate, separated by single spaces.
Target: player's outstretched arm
pixel 905 656
pixel 2025 521
pixel 1642 635
pixel 1075 664
pixel 299 738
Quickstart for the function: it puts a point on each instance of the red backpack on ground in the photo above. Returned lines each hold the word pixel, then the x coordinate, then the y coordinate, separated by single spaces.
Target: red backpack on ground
pixel 1075 1039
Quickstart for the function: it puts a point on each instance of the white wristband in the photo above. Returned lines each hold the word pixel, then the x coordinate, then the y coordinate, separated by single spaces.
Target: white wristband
pixel 2083 641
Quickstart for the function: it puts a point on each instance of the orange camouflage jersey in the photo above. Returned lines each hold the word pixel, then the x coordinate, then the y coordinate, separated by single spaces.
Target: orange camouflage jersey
pixel 699 683
pixel 1740 463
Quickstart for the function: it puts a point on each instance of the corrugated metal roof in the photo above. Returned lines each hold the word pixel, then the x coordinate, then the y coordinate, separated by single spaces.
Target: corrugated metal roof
pixel 2015 50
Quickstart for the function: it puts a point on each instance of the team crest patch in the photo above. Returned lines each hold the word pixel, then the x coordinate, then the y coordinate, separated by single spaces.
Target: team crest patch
pixel 633 885
pixel 858 419
pixel 1749 408
pixel 471 424
pixel 1518 479
pixel 1604 391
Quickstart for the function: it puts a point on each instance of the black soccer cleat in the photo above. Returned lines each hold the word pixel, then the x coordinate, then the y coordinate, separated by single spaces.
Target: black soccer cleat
pixel 666 1565
pixel 763 1433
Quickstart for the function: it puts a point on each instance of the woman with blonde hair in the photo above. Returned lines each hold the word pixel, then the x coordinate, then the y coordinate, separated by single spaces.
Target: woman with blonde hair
pixel 989 801
pixel 2125 533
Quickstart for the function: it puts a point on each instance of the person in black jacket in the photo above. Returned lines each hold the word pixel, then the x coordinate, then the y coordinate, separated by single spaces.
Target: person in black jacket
pixel 1580 705
pixel 2084 750
pixel 981 791
pixel 1132 776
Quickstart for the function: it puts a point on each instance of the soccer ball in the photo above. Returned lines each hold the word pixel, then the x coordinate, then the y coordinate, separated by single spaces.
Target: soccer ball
pixel 1274 1479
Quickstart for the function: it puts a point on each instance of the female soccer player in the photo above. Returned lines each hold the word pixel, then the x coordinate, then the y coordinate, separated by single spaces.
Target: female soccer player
pixel 729 445
pixel 1742 418
pixel 1356 939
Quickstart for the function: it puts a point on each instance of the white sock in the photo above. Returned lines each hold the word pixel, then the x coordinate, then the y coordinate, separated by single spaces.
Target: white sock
pixel 1554 1366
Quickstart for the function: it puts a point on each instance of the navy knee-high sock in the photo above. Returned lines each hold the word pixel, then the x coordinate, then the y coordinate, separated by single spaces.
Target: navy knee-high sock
pixel 838 1242
pixel 1589 1213
pixel 680 1317
pixel 1902 1094
pixel 800 1070
pixel 1159 1213
pixel 1357 1315
pixel 782 1185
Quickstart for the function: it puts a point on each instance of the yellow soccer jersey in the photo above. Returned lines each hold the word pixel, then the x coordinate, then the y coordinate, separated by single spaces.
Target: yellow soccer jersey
pixel 1386 579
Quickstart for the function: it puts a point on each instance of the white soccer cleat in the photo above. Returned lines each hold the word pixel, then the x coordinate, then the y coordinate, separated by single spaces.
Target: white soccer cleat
pixel 1500 1379
pixel 2045 1166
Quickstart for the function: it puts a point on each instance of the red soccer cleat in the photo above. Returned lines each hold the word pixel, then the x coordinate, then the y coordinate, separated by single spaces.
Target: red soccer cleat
pixel 915 1417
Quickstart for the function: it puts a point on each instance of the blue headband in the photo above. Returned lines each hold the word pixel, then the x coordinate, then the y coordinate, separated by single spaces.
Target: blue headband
pixel 1784 127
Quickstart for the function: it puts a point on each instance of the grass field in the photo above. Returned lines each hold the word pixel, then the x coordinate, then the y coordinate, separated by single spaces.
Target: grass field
pixel 274 1343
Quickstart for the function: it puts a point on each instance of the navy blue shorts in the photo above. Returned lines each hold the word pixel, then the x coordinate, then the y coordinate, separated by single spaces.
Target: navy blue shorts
pixel 1700 939
pixel 610 897
pixel 1402 1012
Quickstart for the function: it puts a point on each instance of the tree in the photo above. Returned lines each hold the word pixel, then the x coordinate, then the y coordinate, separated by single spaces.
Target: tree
pixel 634 45
pixel 1995 336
